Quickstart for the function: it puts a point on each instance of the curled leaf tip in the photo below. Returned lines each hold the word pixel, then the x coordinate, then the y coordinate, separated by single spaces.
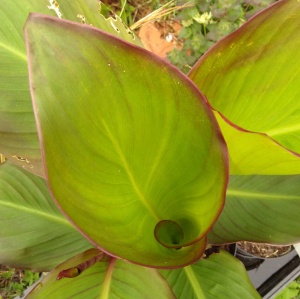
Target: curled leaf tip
pixel 75 271
pixel 169 234
pixel 68 273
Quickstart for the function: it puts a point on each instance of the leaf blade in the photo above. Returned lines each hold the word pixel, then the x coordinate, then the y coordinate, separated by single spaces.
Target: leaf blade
pixel 120 128
pixel 250 80
pixel 217 277
pixel 18 134
pixel 252 153
pixel 34 234
pixel 110 279
pixel 251 203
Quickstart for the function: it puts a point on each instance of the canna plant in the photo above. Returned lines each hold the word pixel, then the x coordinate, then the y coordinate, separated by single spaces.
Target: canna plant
pixel 120 170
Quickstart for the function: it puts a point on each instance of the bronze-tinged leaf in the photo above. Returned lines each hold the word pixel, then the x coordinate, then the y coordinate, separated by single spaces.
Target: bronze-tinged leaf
pixel 128 141
pixel 252 78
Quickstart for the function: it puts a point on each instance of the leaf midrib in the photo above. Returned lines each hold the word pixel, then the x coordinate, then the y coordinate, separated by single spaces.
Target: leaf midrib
pixel 261 195
pixel 194 282
pixel 14 51
pixel 129 172
pixel 283 130
pixel 38 213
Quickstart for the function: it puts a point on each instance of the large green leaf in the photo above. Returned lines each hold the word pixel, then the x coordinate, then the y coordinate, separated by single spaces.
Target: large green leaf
pixel 252 78
pixel 104 280
pixel 34 233
pixel 221 276
pixel 260 209
pixel 18 135
pixel 131 148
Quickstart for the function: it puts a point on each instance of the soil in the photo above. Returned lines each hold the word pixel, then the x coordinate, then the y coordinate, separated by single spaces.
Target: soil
pixel 159 36
pixel 264 250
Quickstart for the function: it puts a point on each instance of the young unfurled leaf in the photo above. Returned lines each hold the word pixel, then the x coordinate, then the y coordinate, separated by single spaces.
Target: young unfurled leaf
pixel 108 278
pixel 75 271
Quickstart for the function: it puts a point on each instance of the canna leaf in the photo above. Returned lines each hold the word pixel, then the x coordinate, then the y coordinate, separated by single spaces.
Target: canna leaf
pixel 252 153
pixel 18 135
pixel 34 234
pixel 217 277
pixel 130 145
pixel 252 79
pixel 260 209
pixel 114 279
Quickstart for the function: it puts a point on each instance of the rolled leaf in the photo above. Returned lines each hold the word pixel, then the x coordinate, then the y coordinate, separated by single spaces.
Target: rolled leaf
pixel 78 269
pixel 252 78
pixel 105 279
pixel 260 209
pixel 18 134
pixel 130 145
pixel 34 234
pixel 217 277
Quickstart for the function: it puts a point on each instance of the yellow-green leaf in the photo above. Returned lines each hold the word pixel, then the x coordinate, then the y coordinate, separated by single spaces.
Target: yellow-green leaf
pixel 129 143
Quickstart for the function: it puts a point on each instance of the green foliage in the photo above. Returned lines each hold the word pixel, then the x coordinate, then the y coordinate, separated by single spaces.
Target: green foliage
pixel 42 229
pixel 251 106
pixel 109 278
pixel 245 195
pixel 149 186
pixel 291 291
pixel 134 156
pixel 130 11
pixel 13 282
pixel 123 9
pixel 206 23
pixel 200 280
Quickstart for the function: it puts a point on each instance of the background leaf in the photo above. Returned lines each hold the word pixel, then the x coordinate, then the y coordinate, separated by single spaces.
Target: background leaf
pixel 34 234
pixel 113 279
pixel 252 153
pixel 260 209
pixel 218 277
pixel 292 290
pixel 253 81
pixel 128 142
pixel 18 134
